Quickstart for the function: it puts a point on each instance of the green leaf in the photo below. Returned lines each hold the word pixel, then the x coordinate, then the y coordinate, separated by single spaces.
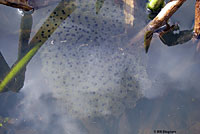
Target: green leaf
pixel 60 13
pixel 155 5
pixel 99 5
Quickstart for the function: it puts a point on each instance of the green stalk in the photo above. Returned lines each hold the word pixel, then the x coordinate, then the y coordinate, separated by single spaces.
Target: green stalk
pixel 60 13
pixel 21 64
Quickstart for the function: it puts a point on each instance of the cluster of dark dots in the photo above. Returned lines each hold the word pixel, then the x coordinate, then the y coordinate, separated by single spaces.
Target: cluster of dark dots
pixel 89 66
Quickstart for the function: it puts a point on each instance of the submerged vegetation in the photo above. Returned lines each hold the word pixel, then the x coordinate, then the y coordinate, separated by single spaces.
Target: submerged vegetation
pixel 86 62
pixel 64 9
pixel 154 6
pixel 167 35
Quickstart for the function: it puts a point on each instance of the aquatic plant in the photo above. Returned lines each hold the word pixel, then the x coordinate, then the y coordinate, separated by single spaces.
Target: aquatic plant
pixel 64 9
pixel 155 5
pixel 105 86
pixel 162 19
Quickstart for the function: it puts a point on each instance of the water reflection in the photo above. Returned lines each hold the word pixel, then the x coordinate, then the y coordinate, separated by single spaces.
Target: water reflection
pixel 100 67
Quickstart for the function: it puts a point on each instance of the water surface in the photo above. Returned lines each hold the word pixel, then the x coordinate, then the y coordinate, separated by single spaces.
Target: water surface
pixel 86 79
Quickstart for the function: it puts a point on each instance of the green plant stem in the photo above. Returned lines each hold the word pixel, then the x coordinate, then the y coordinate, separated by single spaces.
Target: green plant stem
pixel 21 64
pixel 35 44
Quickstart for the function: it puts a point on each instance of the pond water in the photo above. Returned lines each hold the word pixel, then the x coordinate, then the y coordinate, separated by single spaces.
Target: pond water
pixel 86 77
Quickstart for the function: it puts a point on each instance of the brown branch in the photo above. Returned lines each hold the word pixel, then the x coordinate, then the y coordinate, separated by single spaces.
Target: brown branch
pixel 160 20
pixel 197 19
pixel 164 15
pixel 17 4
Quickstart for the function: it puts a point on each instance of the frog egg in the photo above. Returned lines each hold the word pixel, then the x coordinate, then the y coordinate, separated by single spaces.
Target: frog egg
pixel 87 72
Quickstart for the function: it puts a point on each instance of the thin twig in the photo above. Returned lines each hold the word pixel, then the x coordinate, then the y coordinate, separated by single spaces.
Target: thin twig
pixel 17 4
pixel 160 20
pixel 164 15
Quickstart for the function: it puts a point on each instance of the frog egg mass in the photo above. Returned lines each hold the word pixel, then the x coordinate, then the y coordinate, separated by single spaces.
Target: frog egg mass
pixel 85 66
